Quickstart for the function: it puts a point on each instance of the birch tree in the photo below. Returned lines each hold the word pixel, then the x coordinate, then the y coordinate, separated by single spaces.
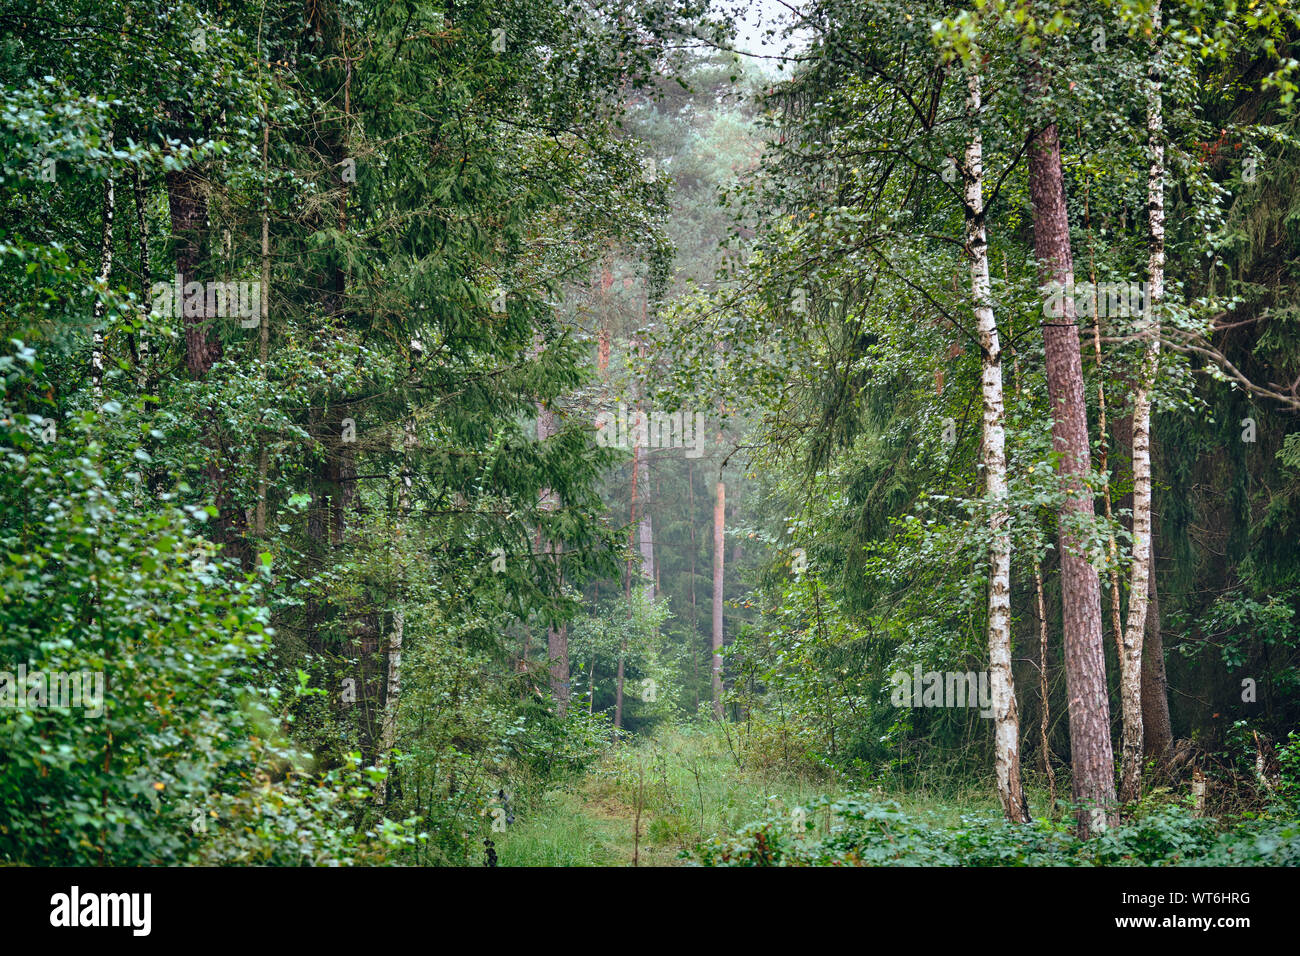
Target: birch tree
pixel 393 692
pixel 1140 568
pixel 719 542
pixel 105 270
pixel 1006 721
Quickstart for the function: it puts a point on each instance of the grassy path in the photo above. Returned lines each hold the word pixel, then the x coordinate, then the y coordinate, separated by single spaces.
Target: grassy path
pixel 688 787
pixel 585 828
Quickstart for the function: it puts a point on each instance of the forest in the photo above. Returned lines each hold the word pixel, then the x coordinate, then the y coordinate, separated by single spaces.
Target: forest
pixel 605 433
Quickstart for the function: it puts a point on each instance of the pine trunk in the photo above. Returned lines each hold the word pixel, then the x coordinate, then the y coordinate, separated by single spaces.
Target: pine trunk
pixel 1092 760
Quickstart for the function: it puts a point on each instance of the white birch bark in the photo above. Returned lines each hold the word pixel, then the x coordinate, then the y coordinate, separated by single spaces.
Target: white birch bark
pixel 146 286
pixel 1006 722
pixel 105 269
pixel 393 694
pixel 719 538
pixel 1139 570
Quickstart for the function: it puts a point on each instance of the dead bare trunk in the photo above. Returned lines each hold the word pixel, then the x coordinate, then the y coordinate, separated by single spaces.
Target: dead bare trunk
pixel 1044 690
pixel 1103 443
pixel 1103 466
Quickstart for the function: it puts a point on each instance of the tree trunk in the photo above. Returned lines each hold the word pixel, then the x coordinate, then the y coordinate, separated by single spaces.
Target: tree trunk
pixel 105 269
pixel 627 584
pixel 618 691
pixel 264 333
pixel 188 204
pixel 393 692
pixel 643 531
pixel 649 573
pixel 1092 760
pixel 557 637
pixel 146 285
pixel 1103 443
pixel 1157 735
pixel 1006 721
pixel 392 699
pixel 694 632
pixel 1103 465
pixel 1157 730
pixel 1044 689
pixel 645 535
pixel 1140 570
pixel 333 477
pixel 719 540
pixel 557 649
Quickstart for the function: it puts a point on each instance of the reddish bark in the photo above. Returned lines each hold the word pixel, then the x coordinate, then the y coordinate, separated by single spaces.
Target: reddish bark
pixel 1092 759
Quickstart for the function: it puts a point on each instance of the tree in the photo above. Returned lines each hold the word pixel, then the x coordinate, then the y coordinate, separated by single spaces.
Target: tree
pixel 1140 573
pixel 1091 759
pixel 719 548
pixel 1006 721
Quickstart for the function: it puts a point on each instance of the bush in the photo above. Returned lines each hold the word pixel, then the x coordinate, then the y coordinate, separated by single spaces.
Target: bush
pixel 170 754
pixel 868 832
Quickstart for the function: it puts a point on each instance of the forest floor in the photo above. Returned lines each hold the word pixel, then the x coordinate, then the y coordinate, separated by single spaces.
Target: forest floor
pixel 648 803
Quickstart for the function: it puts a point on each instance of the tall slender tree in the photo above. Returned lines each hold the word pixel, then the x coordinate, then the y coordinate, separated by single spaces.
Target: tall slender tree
pixel 1140 569
pixel 1006 721
pixel 1091 757
pixel 719 548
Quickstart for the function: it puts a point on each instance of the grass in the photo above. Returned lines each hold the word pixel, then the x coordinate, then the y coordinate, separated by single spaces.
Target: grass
pixel 566 833
pixel 688 788
pixel 651 801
